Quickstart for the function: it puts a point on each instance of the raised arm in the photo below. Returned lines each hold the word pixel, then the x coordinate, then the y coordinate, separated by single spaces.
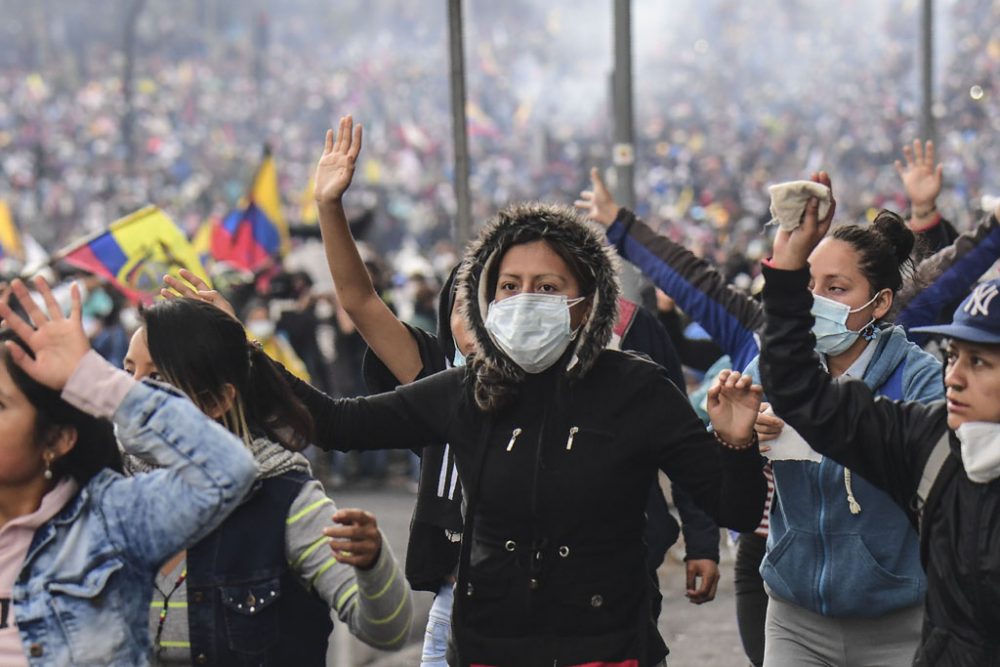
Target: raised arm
pixel 205 470
pixel 922 179
pixel 730 318
pixel 942 280
pixel 384 333
pixel 840 419
pixel 411 417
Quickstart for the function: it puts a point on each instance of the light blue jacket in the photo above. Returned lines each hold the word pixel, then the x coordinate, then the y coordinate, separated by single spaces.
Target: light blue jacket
pixel 822 557
pixel 83 594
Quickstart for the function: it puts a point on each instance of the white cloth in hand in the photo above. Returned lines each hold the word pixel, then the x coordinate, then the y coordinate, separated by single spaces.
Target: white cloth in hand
pixel 788 201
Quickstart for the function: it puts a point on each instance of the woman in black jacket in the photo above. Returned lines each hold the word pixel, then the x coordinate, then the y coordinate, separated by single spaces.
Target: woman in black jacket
pixel 940 461
pixel 557 442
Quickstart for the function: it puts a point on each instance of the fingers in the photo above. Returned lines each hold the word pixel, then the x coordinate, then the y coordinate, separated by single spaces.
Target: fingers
pixel 182 288
pixel 194 279
pixel 764 406
pixel 355 538
pixel 355 148
pixel 354 516
pixel 702 580
pixel 30 307
pixel 338 146
pixel 586 200
pixel 899 168
pixel 328 143
pixel 908 156
pixel 596 180
pixel 929 152
pixel 75 303
pixel 51 305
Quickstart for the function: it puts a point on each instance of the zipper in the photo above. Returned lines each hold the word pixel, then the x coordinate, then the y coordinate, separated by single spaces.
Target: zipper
pixel 513 438
pixel 824 556
pixel 572 432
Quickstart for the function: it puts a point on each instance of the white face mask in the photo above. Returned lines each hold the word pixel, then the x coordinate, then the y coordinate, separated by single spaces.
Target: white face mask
pixel 261 329
pixel 980 450
pixel 532 329
pixel 830 325
pixel 458 360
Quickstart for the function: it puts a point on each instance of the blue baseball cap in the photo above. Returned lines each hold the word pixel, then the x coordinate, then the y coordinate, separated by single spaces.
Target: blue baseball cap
pixel 977 320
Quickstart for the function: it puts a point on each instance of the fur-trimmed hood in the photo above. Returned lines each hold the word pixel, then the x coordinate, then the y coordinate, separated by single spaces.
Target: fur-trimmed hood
pixel 494 375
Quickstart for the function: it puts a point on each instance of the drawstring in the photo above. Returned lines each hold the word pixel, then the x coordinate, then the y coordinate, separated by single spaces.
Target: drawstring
pixel 852 502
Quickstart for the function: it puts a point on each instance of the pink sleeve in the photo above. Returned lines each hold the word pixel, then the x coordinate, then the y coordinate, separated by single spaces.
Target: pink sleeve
pixel 96 387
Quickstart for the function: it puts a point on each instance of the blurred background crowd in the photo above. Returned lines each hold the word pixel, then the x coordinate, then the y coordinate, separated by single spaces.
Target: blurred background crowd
pixel 108 105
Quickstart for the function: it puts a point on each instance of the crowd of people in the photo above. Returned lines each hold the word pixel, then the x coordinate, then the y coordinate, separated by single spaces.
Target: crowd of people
pixel 212 83
pixel 827 392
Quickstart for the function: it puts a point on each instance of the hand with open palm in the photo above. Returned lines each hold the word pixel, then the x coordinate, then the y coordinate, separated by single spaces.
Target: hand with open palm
pixel 336 166
pixel 733 405
pixel 57 342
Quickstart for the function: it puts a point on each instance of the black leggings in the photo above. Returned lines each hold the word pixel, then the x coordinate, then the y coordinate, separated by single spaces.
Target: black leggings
pixel 751 598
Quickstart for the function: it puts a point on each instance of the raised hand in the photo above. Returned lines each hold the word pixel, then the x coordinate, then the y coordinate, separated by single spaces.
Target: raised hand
pixel 195 288
pixel 600 206
pixel 733 405
pixel 336 166
pixel 355 539
pixel 58 343
pixel 921 177
pixel 792 249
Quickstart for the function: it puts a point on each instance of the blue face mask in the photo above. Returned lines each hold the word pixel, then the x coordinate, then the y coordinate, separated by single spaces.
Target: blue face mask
pixel 830 325
pixel 459 359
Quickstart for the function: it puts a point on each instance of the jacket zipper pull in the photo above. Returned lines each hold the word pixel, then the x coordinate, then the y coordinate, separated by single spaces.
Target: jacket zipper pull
pixel 572 432
pixel 513 438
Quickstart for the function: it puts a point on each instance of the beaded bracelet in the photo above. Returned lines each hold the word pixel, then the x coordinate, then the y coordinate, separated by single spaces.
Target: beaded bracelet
pixel 753 441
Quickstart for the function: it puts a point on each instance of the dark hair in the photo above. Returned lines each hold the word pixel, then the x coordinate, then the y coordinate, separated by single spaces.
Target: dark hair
pixel 883 247
pixel 95 448
pixel 199 349
pixel 528 234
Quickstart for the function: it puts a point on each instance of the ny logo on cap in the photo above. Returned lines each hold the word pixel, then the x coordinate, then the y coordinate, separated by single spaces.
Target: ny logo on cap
pixel 979 301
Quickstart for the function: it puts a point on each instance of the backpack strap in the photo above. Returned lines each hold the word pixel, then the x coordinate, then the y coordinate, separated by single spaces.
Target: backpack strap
pixel 929 475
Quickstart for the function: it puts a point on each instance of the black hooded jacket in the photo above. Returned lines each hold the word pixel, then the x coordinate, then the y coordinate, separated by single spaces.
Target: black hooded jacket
pixel 557 467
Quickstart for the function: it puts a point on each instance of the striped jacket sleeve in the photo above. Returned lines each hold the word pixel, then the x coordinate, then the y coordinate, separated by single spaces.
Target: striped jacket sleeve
pixel 376 603
pixel 730 318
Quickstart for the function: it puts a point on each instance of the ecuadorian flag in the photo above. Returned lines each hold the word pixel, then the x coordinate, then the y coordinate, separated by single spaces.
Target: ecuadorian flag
pixel 135 252
pixel 256 231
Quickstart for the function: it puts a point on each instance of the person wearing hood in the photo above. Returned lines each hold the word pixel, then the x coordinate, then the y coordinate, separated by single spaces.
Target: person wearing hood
pixel 263 584
pixel 400 353
pixel 557 441
pixel 939 461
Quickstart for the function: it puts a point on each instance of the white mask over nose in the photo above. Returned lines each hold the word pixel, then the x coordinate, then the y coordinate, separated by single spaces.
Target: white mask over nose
pixel 532 329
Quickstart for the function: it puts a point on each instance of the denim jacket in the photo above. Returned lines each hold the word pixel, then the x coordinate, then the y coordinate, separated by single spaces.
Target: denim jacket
pixel 83 593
